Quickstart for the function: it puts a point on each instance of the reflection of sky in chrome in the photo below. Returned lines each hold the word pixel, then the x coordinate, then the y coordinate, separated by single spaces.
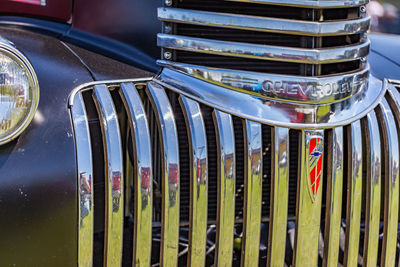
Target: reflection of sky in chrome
pixel 15 97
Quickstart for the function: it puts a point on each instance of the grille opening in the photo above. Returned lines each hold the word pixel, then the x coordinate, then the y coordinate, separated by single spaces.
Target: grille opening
pixel 264 38
pixel 248 9
pixel 239 149
pixel 267 143
pixel 98 178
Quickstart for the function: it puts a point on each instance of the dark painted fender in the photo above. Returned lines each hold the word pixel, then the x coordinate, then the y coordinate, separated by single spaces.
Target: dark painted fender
pixel 38 184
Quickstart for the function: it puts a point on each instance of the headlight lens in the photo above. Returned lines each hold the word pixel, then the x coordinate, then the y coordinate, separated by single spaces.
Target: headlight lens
pixel 19 92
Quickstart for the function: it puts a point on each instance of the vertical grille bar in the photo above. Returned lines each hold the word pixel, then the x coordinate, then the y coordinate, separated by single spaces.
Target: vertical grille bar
pixel 334 198
pixel 114 176
pixel 308 211
pixel 373 205
pixel 142 175
pixel 85 181
pixel 226 188
pixel 170 174
pixel 279 196
pixel 198 181
pixel 354 196
pixel 391 210
pixel 253 193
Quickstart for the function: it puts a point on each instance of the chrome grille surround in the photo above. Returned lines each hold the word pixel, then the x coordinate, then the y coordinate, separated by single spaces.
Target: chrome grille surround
pixel 344 168
pixel 314 87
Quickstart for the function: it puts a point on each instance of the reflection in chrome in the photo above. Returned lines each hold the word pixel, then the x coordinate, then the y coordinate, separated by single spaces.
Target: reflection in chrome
pixel 143 174
pixel 308 211
pixel 226 188
pixel 354 196
pixel 391 211
pixel 334 196
pixel 170 174
pixel 85 182
pixel 279 196
pixel 264 52
pixel 113 162
pixel 309 3
pixel 373 188
pixel 265 24
pixel 307 90
pixel 272 111
pixel 198 181
pixel 253 193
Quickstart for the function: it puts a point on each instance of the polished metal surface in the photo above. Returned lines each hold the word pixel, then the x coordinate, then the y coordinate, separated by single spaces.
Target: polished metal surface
pixel 253 193
pixel 198 181
pixel 226 188
pixel 309 3
pixel 354 196
pixel 283 88
pixel 373 195
pixel 142 175
pixel 84 181
pixel 113 162
pixel 391 202
pixel 264 52
pixel 170 174
pixel 273 112
pixel 334 197
pixel 308 211
pixel 279 196
pixel 264 24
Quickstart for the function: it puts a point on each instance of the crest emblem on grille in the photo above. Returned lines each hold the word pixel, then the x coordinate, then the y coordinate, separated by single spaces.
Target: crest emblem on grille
pixel 315 159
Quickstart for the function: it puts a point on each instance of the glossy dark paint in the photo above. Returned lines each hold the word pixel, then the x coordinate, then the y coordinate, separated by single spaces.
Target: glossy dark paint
pixel 38 184
pixel 385 56
pixel 59 10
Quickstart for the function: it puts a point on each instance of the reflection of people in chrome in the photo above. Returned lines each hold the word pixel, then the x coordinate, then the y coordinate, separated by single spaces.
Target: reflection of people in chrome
pixel 85 191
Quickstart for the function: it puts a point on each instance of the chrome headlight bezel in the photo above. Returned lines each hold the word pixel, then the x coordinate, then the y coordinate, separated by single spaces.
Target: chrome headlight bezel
pixel 9 50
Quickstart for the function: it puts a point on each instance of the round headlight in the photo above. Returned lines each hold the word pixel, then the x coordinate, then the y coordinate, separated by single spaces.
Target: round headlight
pixel 19 92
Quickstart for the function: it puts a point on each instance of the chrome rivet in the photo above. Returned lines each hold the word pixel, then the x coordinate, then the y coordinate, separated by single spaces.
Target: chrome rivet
pixel 168 2
pixel 167 55
pixel 363 9
pixel 167 28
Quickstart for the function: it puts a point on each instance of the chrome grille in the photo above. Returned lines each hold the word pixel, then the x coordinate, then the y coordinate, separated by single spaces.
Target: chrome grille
pixel 353 219
pixel 304 38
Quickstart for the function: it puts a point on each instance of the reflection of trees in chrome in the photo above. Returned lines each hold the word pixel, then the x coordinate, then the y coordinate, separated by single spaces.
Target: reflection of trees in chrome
pixel 85 192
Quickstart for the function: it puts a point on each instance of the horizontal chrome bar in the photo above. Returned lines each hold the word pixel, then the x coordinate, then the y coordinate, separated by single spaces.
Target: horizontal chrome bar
pixel 269 111
pixel 305 90
pixel 84 181
pixel 354 194
pixel 198 181
pixel 334 198
pixel 264 24
pixel 264 52
pixel 373 187
pixel 253 193
pixel 143 173
pixel 113 162
pixel 226 188
pixel 309 3
pixel 170 174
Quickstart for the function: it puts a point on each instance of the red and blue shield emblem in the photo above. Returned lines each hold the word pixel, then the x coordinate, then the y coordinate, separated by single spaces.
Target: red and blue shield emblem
pixel 315 159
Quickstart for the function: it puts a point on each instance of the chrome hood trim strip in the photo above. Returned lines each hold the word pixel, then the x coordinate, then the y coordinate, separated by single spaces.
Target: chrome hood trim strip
pixel 264 52
pixel 305 90
pixel 255 23
pixel 277 113
pixel 309 3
